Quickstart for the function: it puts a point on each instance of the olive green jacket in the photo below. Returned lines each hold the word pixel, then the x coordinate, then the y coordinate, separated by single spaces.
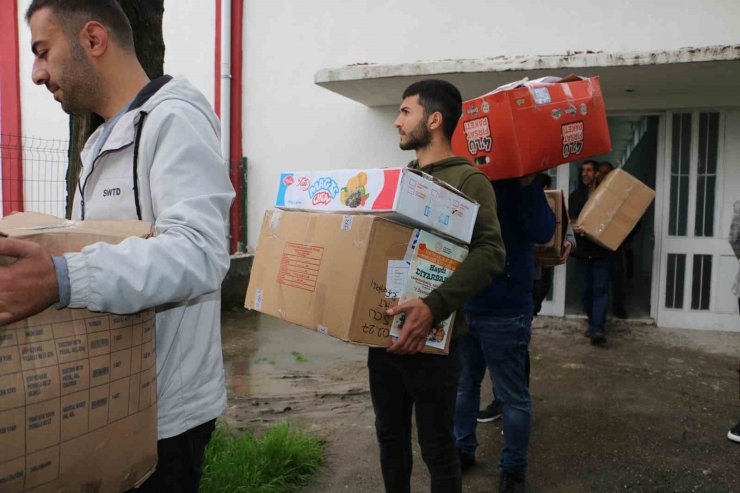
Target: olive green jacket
pixel 486 255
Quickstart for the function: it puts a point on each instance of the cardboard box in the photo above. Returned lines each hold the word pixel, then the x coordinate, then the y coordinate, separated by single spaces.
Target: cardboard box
pixel 78 390
pixel 549 254
pixel 400 194
pixel 333 273
pixel 530 126
pixel 614 208
pixel 432 262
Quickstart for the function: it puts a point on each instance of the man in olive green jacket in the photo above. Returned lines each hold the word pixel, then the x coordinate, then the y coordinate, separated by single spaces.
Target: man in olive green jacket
pixel 401 377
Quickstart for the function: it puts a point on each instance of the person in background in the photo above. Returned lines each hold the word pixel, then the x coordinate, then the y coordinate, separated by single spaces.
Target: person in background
pixel 500 321
pixel 595 263
pixel 542 286
pixel 402 379
pixel 734 433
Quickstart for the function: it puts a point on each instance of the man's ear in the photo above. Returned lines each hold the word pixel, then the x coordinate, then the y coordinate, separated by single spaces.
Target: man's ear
pixel 435 120
pixel 94 37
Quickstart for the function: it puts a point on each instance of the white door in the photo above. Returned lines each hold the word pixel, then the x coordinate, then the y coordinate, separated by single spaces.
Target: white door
pixel 696 261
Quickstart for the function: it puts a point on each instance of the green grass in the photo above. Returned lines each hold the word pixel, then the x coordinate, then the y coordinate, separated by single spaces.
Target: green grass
pixel 280 461
pixel 299 358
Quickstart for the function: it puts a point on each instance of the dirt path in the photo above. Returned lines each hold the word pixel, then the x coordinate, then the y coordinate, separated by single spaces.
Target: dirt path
pixel 648 413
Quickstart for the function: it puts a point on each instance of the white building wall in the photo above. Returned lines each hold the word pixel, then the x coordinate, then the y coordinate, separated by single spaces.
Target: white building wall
pixel 290 123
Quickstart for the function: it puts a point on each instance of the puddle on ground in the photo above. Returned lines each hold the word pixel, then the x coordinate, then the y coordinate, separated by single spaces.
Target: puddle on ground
pixel 266 358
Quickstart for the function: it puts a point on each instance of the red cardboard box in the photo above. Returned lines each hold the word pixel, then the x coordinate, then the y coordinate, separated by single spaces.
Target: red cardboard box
pixel 530 126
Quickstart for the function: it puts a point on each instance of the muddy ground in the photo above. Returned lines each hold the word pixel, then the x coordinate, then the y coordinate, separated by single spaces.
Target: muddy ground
pixel 647 413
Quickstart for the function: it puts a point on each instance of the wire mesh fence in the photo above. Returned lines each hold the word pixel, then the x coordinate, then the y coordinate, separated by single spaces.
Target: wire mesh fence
pixel 33 174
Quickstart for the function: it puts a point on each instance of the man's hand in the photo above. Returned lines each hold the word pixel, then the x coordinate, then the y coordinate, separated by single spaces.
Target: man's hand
pixel 579 229
pixel 567 247
pixel 416 327
pixel 28 286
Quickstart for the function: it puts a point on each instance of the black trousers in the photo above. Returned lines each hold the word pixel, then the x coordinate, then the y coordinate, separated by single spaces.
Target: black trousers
pixel 428 383
pixel 180 465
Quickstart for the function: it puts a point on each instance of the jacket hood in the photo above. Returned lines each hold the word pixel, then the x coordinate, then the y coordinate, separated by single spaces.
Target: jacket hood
pixel 168 88
pixel 443 164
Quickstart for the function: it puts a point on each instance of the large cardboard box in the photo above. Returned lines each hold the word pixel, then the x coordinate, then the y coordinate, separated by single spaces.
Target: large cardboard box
pixel 530 126
pixel 614 208
pixel 78 390
pixel 334 273
pixel 549 254
pixel 401 194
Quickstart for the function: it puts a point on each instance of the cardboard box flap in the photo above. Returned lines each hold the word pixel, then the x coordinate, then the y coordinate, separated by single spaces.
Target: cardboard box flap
pixel 542 80
pixel 440 183
pixel 26 224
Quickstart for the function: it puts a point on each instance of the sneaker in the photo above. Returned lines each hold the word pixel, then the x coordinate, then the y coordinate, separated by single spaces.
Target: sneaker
pixel 734 434
pixel 511 483
pixel 598 337
pixel 466 460
pixel 491 413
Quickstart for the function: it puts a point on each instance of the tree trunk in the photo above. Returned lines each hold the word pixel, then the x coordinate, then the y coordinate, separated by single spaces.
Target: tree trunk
pixel 145 17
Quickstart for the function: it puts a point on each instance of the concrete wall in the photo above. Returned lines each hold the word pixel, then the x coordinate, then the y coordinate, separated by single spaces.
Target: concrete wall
pixel 292 124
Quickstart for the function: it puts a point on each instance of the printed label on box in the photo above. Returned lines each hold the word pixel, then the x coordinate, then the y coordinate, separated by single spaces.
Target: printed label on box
pixel 347 222
pixel 258 299
pixel 398 272
pixel 300 266
pixel 433 261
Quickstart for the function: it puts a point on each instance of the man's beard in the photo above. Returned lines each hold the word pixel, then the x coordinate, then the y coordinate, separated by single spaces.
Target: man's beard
pixel 79 82
pixel 418 138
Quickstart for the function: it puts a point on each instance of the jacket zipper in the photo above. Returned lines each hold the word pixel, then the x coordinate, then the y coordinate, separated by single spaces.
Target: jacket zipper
pixel 82 187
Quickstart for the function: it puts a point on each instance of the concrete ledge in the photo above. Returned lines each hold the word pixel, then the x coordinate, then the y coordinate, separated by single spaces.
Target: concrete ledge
pixel 662 79
pixel 234 287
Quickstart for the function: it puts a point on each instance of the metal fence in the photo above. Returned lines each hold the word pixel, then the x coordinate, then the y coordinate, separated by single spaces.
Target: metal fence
pixel 34 174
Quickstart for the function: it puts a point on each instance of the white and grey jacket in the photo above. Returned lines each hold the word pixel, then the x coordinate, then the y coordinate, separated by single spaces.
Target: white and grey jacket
pixel 181 184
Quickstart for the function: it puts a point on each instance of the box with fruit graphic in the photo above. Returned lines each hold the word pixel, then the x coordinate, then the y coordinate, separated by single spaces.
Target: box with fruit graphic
pixel 400 194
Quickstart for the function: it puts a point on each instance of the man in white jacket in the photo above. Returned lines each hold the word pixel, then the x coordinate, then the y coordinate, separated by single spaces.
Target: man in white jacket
pixel 157 158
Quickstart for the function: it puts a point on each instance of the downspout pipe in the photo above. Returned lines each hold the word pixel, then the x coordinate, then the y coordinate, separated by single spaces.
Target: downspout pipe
pixel 225 107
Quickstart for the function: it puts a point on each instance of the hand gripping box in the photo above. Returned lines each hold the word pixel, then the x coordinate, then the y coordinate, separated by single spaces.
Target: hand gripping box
pixel 338 274
pixel 78 390
pixel 401 194
pixel 529 126
pixel 614 208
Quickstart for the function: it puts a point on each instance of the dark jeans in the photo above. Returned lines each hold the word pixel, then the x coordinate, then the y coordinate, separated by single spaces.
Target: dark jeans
pixel 428 383
pixel 180 463
pixel 594 276
pixel 501 345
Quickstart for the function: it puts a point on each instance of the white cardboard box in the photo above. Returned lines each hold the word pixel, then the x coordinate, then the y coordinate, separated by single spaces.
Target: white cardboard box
pixel 400 194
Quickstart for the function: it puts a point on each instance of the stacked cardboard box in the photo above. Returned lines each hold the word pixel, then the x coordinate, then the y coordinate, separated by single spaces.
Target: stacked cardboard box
pixel 530 126
pixel 78 390
pixel 339 273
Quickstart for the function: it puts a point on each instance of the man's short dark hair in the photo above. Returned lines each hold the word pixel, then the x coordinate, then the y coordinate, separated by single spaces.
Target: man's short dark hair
pixel 438 96
pixel 607 163
pixel 545 180
pixel 593 163
pixel 72 15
